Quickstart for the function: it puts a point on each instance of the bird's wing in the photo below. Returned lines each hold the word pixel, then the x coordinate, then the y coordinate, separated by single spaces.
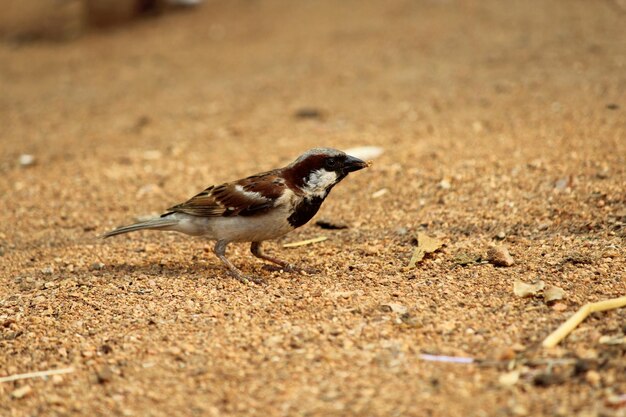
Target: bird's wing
pixel 246 197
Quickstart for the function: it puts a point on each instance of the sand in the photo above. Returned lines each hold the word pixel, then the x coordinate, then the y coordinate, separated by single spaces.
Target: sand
pixel 502 124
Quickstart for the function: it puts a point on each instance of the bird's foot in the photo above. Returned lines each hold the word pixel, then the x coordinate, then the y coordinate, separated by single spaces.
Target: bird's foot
pixel 245 279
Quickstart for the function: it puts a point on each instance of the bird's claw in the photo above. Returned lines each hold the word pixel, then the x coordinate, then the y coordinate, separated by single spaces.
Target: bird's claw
pixel 257 281
pixel 245 279
pixel 308 271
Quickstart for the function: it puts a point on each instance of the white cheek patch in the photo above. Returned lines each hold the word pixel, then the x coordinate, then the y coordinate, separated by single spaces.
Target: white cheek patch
pixel 318 182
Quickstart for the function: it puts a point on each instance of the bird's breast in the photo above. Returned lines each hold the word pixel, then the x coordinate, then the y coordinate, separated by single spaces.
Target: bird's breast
pixel 304 211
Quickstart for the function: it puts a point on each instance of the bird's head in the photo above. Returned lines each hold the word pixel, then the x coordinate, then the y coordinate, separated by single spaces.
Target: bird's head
pixel 318 170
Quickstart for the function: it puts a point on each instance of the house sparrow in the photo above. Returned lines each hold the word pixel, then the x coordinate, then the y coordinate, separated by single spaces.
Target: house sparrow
pixel 257 208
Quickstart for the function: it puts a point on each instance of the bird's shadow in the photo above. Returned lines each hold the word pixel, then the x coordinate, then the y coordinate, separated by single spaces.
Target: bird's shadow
pixel 184 271
pixel 173 271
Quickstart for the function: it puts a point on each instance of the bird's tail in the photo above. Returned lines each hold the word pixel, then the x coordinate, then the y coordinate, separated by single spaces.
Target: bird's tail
pixel 159 223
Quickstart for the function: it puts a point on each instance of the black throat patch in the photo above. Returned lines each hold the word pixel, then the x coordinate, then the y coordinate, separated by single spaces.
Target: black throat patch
pixel 305 211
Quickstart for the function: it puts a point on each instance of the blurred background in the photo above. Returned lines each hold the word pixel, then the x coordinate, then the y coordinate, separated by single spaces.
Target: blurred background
pixel 68 19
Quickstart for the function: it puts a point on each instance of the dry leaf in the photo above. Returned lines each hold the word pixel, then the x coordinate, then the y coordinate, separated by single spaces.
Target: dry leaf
pixel 553 293
pixel 521 289
pixel 464 259
pixel 425 244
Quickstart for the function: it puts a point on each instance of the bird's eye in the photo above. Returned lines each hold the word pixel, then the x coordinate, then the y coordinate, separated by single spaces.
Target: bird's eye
pixel 331 163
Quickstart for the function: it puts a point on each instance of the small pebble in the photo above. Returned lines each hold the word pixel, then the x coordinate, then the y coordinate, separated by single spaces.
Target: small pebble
pixel 500 256
pixel 57 379
pixel 477 126
pixel 273 341
pixel 445 184
pixel 21 392
pixel 519 410
pixel 559 306
pixel 545 379
pixel 106 349
pixel 518 347
pixel 371 250
pixel 27 160
pixel 507 354
pixel 104 375
pixel 562 184
pixel 593 378
pixel 543 226
pixel 401 231
pixel 96 266
pixel 409 320
pixel 39 299
pixel 309 113
pixel 152 155
pixel 47 270
pixel 54 399
pixel 509 379
pixel 616 401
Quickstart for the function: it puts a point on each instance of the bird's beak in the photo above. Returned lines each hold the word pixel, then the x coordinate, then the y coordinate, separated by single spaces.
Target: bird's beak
pixel 353 164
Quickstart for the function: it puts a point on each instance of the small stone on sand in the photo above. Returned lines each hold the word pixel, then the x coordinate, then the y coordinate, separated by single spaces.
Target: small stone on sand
pixel 500 256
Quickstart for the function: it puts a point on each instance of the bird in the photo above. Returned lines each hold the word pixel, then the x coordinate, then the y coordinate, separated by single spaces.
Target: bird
pixel 257 208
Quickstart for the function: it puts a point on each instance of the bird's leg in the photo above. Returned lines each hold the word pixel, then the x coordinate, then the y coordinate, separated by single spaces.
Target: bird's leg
pixel 256 250
pixel 220 252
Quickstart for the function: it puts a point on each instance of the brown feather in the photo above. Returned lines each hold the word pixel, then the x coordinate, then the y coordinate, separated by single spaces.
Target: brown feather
pixel 297 172
pixel 226 200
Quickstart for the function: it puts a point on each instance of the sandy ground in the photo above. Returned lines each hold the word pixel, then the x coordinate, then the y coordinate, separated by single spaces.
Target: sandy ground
pixel 502 123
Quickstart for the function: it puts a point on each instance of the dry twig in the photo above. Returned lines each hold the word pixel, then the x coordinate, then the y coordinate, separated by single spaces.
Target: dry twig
pixel 38 374
pixel 305 242
pixel 566 328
